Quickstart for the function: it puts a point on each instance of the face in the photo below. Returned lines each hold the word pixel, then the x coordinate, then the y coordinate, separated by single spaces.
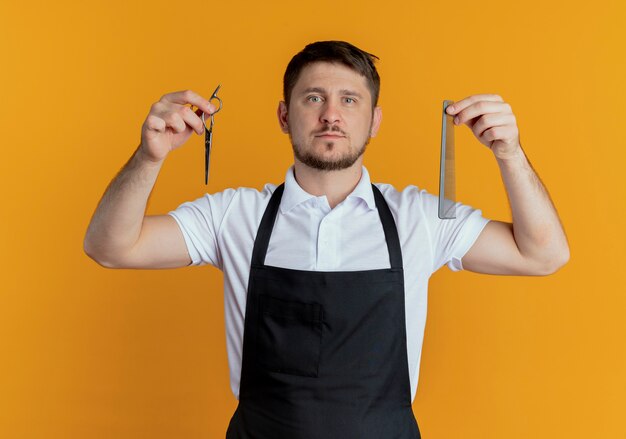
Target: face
pixel 330 118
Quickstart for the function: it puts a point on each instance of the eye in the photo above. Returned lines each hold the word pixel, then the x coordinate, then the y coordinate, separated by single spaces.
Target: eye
pixel 351 100
pixel 314 97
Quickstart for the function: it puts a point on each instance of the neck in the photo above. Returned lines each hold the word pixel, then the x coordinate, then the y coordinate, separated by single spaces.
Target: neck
pixel 336 185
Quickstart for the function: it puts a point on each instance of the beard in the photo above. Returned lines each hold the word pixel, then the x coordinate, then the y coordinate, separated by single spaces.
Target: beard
pixel 345 161
pixel 316 162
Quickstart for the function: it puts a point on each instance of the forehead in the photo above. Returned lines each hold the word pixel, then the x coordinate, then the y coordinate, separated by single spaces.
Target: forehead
pixel 330 76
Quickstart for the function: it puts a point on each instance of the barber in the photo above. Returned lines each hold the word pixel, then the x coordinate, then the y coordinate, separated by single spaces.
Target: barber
pixel 326 274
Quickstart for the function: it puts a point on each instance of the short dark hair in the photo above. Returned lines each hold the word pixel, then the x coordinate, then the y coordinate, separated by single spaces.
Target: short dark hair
pixel 334 52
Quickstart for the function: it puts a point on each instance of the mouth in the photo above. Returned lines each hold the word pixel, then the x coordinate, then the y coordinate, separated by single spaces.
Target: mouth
pixel 331 136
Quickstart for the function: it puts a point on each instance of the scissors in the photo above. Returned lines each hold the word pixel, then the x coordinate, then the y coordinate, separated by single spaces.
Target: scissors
pixel 208 135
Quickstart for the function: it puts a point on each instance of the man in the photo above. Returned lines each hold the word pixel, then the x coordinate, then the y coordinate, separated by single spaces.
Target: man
pixel 326 274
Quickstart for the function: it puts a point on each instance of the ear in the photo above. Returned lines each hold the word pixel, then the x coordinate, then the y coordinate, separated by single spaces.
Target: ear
pixel 282 117
pixel 377 118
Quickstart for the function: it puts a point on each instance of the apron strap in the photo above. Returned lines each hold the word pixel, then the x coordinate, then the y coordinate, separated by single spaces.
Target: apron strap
pixel 389 226
pixel 262 239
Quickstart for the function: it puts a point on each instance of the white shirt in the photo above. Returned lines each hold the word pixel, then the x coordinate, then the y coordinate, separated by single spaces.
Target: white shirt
pixel 220 228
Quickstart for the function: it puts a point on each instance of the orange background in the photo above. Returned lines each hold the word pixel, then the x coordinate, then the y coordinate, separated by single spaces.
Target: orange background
pixel 88 352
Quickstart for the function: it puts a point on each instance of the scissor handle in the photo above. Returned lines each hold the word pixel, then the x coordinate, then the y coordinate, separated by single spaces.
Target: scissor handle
pixel 213 96
pixel 220 101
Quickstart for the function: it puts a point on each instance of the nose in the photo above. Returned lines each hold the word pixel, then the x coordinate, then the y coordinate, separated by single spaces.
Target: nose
pixel 330 113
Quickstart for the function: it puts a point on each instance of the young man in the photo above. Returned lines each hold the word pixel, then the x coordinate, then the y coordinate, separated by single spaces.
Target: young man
pixel 326 275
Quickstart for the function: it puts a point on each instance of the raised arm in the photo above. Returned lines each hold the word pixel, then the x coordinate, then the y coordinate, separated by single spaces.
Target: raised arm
pixel 119 235
pixel 535 242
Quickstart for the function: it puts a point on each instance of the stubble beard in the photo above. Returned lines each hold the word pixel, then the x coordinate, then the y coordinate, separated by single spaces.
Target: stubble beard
pixel 345 161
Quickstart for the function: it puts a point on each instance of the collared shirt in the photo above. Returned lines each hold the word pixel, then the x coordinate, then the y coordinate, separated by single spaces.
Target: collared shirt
pixel 219 230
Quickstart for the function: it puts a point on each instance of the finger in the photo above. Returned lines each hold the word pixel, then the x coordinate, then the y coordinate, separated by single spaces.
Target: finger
pixel 191 119
pixel 466 102
pixel 479 108
pixel 189 97
pixel 502 133
pixel 196 110
pixel 491 120
pixel 175 121
pixel 155 123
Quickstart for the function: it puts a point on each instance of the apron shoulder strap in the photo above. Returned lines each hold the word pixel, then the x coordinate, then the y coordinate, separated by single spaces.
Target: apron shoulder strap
pixel 264 232
pixel 390 229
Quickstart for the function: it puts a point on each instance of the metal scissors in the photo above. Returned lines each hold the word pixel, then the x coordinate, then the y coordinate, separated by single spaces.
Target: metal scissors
pixel 208 135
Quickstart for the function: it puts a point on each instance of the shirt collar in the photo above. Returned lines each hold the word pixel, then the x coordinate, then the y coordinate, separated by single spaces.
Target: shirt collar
pixel 294 194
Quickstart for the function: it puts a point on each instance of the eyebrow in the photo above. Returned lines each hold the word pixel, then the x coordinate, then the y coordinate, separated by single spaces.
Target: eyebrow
pixel 323 91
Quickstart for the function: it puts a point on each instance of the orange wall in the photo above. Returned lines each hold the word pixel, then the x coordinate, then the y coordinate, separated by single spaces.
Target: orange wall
pixel 97 353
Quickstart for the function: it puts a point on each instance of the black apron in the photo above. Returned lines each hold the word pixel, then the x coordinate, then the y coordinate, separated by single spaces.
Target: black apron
pixel 324 352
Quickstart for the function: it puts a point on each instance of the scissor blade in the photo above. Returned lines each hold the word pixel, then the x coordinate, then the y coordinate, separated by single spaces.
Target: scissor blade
pixel 208 139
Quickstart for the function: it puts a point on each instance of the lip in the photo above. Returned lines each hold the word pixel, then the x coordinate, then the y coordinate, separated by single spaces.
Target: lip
pixel 330 135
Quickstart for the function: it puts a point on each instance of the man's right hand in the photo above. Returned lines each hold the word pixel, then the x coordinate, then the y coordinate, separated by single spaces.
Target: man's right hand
pixel 170 123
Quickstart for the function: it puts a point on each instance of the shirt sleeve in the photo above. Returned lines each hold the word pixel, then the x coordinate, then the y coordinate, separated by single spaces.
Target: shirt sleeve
pixel 200 222
pixel 451 238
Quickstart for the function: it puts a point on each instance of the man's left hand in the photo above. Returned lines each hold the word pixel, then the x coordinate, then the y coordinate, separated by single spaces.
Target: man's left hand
pixel 492 122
